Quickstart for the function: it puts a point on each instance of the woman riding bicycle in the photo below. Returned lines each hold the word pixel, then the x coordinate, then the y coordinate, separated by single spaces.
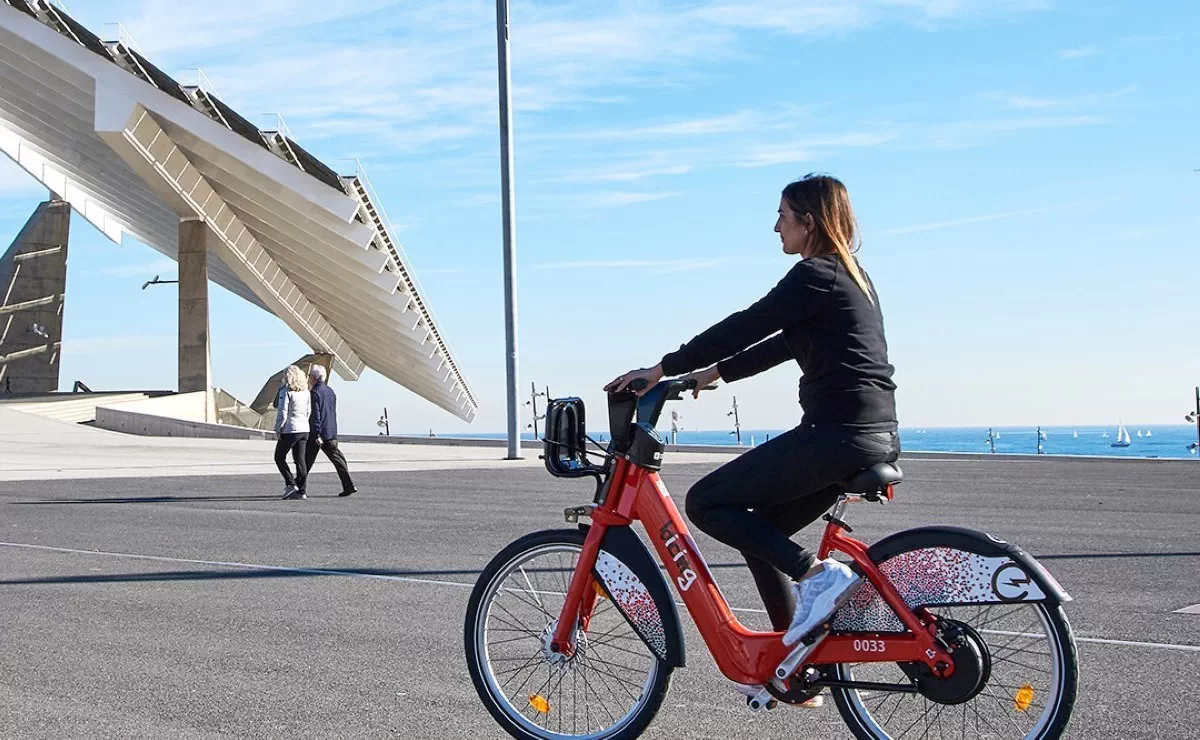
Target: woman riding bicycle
pixel 825 315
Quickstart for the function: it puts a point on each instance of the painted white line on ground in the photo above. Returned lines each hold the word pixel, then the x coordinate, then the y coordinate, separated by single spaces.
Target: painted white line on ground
pixel 248 566
pixel 1102 641
pixel 456 584
pixel 1193 609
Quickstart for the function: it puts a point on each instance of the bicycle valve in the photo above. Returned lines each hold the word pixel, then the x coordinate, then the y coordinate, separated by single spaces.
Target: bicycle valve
pixel 795 658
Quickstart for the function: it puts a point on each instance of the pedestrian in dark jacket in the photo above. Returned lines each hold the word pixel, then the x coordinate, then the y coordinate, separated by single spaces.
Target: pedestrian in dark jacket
pixel 323 429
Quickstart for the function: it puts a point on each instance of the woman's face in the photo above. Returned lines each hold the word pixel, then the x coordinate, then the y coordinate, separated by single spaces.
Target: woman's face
pixel 795 233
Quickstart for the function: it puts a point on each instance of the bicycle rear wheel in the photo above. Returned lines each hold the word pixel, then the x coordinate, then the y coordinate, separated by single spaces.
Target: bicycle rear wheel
pixel 610 688
pixel 1018 681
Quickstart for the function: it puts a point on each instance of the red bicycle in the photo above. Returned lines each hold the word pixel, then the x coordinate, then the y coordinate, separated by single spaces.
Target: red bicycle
pixel 574 633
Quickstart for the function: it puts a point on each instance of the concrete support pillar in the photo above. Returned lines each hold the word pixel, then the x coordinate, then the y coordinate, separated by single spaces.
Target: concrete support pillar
pixel 195 364
pixel 33 280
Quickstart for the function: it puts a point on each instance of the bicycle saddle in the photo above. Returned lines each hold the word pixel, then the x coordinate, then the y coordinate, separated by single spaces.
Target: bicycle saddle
pixel 874 479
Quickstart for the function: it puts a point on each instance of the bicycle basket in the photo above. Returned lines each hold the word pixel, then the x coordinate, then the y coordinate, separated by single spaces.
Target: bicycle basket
pixel 565 441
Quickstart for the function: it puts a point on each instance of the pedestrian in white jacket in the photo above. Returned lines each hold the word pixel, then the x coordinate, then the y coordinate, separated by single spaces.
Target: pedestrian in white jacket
pixel 294 404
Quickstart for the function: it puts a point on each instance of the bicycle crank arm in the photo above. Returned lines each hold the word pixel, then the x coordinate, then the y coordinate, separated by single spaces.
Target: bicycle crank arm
pixel 796 658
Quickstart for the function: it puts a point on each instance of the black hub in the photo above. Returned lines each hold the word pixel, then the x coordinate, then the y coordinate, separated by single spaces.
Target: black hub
pixel 798 691
pixel 972 666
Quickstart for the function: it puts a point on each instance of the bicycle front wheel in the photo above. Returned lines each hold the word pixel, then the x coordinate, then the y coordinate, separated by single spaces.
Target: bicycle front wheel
pixel 611 687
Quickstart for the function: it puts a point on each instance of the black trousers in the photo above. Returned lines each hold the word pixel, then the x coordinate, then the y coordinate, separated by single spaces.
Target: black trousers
pixel 294 443
pixel 330 447
pixel 758 501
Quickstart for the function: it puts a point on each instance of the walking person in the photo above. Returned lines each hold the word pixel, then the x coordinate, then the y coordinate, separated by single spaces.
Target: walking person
pixel 323 429
pixel 293 405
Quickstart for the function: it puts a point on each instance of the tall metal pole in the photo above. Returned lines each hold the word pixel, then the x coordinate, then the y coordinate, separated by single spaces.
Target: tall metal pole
pixel 506 197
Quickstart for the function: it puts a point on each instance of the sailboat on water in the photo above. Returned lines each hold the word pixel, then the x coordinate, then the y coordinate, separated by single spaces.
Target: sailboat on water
pixel 1149 433
pixel 1123 439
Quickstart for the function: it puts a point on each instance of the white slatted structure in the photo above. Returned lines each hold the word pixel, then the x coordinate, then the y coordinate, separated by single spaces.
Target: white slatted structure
pixel 133 151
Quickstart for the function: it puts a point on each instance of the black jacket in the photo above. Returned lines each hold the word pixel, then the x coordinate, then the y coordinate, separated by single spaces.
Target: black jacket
pixel 819 317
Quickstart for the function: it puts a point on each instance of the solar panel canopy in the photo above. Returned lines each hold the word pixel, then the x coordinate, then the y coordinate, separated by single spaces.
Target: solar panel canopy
pixel 135 152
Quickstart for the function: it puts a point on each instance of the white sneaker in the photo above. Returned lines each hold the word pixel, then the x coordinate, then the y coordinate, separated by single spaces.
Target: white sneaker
pixel 818 595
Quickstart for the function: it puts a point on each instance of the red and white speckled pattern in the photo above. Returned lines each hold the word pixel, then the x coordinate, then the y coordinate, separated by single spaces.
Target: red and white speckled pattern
pixel 936 575
pixel 630 594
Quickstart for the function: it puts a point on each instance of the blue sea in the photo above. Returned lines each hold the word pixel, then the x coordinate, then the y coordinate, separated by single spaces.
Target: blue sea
pixel 1162 441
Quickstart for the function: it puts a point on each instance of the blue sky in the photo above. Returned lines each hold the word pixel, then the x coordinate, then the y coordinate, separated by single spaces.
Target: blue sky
pixel 1022 171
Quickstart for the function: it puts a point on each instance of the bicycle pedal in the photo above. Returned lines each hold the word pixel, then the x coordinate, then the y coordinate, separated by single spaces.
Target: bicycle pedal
pixel 762 700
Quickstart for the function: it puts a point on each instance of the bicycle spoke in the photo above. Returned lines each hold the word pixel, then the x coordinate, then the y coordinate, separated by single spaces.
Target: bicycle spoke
pixel 1021 643
pixel 591 691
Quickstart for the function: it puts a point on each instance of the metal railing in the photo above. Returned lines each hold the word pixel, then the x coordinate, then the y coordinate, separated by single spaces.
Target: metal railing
pixel 195 77
pixel 407 273
pixel 117 33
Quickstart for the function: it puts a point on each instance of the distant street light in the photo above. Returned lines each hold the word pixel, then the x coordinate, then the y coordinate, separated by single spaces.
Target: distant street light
pixel 737 424
pixel 156 281
pixel 532 402
pixel 1195 416
pixel 383 422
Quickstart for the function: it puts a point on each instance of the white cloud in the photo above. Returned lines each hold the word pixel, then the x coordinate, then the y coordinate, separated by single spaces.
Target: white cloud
pixel 808 150
pixel 963 134
pixel 656 266
pixel 148 269
pixel 117 345
pixel 610 199
pixel 1078 101
pixel 626 172
pixel 937 225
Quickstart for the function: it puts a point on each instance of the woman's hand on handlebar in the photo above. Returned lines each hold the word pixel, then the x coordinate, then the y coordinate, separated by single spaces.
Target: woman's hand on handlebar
pixel 650 374
pixel 704 380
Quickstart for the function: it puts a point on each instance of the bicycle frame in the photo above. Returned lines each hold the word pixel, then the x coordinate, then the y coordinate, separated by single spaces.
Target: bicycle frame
pixel 743 655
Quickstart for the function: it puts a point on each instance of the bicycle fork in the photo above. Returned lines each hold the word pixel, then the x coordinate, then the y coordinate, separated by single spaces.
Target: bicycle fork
pixel 581 593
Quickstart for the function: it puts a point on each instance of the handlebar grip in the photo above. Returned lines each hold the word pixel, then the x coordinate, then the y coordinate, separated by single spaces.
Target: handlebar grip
pixel 637 384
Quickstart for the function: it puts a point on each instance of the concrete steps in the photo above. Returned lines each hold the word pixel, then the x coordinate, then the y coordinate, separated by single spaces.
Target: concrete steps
pixel 75 408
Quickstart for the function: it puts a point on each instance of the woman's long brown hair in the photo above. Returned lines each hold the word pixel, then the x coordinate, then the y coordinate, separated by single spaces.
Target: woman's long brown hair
pixel 825 199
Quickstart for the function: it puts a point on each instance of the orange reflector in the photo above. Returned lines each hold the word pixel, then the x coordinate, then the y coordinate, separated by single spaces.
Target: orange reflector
pixel 599 590
pixel 539 703
pixel 1023 699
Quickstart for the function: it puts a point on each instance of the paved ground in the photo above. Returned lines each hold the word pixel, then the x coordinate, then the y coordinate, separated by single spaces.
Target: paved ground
pixel 36 448
pixel 199 606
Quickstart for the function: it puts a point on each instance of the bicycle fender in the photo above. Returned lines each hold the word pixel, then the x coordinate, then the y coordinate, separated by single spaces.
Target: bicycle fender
pixel 634 583
pixel 947 566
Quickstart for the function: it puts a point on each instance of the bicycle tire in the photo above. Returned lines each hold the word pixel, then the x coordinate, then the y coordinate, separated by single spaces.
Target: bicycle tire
pixel 1063 654
pixel 630 726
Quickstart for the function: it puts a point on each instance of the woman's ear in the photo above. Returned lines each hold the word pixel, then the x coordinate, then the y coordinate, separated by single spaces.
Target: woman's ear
pixel 809 223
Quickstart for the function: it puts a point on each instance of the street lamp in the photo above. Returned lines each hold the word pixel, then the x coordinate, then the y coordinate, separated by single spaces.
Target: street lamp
pixel 532 402
pixel 156 281
pixel 737 424
pixel 1195 417
pixel 509 228
pixel 383 422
